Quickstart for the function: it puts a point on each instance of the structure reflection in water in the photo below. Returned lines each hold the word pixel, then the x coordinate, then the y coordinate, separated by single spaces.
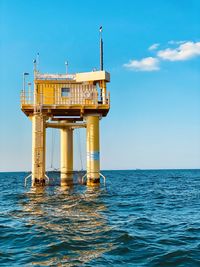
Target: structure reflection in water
pixel 72 222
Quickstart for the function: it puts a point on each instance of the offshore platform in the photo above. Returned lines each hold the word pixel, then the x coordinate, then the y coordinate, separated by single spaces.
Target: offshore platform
pixel 66 101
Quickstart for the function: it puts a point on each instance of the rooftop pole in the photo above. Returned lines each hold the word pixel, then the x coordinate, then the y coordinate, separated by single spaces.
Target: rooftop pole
pixel 24 81
pixel 38 61
pixel 66 66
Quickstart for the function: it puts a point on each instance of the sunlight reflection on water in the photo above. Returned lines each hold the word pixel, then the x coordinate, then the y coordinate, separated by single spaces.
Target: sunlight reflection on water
pixel 72 219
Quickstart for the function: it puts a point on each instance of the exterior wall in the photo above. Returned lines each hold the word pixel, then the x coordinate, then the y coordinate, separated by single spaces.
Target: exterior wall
pixel 51 94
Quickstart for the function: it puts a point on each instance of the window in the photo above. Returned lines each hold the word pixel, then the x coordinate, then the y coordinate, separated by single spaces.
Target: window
pixel 65 92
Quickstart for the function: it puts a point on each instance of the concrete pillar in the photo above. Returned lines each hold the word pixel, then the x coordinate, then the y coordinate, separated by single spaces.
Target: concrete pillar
pixel 38 149
pixel 66 159
pixel 93 163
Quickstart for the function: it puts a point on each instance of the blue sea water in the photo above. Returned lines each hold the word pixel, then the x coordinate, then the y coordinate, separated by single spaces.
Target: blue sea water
pixel 140 218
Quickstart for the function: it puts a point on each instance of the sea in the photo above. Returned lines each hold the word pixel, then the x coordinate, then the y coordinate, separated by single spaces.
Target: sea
pixel 138 218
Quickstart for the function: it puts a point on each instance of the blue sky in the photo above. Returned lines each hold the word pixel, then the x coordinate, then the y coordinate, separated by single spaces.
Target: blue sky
pixel 152 50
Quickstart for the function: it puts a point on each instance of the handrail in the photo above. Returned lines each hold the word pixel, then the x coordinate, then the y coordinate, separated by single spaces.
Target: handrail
pixel 47 76
pixel 85 175
pixel 25 179
pixel 77 98
pixel 47 178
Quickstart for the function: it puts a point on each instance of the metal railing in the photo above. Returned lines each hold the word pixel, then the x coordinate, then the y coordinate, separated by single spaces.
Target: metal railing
pixel 47 76
pixel 27 97
pixel 76 98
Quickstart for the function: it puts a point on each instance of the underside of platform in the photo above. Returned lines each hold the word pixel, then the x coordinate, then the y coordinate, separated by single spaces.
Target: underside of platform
pixel 75 110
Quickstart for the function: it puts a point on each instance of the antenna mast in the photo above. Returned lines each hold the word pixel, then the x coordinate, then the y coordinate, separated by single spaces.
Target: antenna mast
pixel 37 61
pixel 66 65
pixel 101 48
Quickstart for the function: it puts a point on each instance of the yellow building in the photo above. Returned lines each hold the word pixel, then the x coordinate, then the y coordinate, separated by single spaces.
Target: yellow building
pixel 66 101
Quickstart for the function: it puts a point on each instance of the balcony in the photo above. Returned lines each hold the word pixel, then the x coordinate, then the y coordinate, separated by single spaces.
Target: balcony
pixel 72 101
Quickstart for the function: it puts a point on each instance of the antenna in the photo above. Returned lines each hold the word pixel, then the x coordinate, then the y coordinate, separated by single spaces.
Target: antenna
pixel 35 65
pixel 66 65
pixel 38 57
pixel 101 48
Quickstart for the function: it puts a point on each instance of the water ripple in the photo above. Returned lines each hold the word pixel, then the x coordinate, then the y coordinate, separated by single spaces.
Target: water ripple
pixel 141 218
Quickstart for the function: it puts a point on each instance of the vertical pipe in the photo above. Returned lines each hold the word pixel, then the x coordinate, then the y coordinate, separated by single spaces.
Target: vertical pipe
pixel 88 149
pixel 38 149
pixel 93 162
pixel 29 93
pixel 23 82
pixel 66 164
pixel 103 92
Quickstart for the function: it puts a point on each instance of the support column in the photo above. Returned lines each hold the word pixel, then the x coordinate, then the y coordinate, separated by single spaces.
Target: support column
pixel 66 159
pixel 93 164
pixel 38 149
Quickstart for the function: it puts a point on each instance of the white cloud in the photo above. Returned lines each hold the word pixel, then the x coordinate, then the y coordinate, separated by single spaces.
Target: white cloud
pixel 185 51
pixel 145 64
pixel 177 51
pixel 172 42
pixel 153 47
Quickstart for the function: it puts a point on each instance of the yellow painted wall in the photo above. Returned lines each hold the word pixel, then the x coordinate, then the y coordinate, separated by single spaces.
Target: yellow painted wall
pixel 48 94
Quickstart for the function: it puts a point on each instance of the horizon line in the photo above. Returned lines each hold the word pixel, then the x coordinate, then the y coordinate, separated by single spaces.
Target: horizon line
pixel 135 169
